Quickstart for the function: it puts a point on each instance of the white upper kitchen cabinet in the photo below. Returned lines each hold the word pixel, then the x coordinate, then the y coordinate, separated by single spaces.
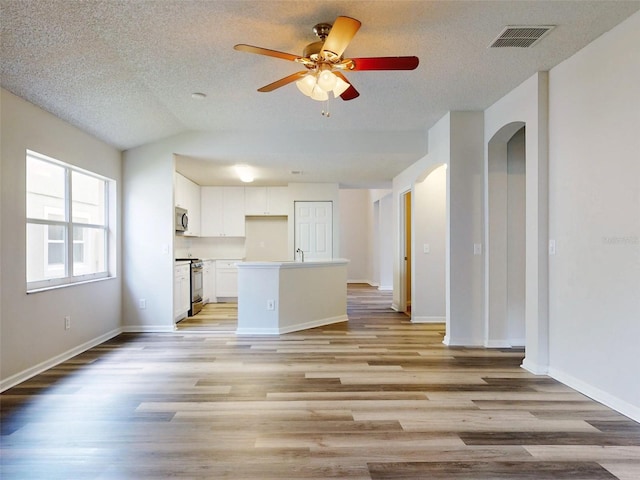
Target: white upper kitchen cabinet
pixel 267 201
pixel 187 196
pixel 223 211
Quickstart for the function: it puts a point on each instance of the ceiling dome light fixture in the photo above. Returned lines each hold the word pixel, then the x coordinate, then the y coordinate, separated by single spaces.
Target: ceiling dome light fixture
pixel 244 173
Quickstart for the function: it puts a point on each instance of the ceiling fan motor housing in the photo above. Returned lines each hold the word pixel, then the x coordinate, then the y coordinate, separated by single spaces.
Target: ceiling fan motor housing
pixel 312 50
pixel 322 30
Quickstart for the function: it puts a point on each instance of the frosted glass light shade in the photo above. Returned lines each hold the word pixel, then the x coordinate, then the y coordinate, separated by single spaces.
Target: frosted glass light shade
pixel 340 87
pixel 319 94
pixel 306 84
pixel 327 80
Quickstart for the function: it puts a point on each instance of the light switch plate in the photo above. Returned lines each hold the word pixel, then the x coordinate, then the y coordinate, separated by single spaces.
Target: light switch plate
pixel 477 249
pixel 426 248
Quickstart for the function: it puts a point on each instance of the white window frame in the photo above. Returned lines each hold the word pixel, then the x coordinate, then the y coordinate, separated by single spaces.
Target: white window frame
pixel 69 277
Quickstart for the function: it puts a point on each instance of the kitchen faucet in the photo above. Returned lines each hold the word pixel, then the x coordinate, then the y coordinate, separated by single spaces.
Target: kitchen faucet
pixel 301 254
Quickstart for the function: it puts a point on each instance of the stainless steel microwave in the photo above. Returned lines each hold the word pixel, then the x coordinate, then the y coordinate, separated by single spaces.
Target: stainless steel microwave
pixel 182 220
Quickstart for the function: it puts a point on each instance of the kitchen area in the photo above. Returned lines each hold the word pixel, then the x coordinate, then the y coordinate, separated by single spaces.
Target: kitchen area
pixel 218 226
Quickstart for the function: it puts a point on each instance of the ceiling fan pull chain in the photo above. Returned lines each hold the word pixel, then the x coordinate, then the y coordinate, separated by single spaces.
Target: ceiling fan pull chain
pixel 326 113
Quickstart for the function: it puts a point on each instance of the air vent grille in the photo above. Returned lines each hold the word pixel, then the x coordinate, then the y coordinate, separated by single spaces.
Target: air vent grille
pixel 520 36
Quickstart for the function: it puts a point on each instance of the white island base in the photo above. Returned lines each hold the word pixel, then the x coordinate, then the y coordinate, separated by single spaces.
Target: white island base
pixel 283 297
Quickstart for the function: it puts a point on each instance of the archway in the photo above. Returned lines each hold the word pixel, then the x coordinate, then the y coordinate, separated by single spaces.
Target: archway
pixel 505 273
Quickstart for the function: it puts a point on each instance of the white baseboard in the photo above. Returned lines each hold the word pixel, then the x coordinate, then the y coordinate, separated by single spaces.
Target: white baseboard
pixel 428 319
pixel 611 401
pixel 534 368
pixel 385 288
pixel 394 307
pixel 504 342
pixel 361 281
pixel 148 328
pixel 495 343
pixel 292 328
pixel 20 377
pixel 462 342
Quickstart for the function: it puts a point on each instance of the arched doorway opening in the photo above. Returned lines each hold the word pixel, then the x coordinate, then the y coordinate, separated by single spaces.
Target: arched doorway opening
pixel 505 272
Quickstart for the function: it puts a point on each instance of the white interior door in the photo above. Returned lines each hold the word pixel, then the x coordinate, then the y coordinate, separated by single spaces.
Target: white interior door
pixel 314 230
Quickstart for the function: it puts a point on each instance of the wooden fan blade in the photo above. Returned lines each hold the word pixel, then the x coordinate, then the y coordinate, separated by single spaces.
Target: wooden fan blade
pixel 265 51
pixel 385 63
pixel 341 34
pixel 283 81
pixel 350 93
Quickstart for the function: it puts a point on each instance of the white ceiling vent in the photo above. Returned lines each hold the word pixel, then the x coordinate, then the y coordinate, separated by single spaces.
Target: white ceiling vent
pixel 520 36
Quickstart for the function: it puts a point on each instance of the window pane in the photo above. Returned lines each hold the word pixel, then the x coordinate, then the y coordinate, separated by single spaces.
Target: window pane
pixel 45 188
pixel 56 232
pixel 87 198
pixel 45 260
pixel 89 250
pixel 55 254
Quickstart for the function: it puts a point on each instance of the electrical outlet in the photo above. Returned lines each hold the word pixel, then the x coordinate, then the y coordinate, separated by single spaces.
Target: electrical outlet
pixel 142 303
pixel 67 322
pixel 552 247
pixel 271 304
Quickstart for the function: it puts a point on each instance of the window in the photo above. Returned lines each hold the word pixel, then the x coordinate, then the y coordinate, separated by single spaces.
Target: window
pixel 67 223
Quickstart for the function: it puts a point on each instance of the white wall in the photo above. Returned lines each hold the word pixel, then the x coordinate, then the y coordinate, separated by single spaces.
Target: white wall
pixel 32 326
pixel 356 239
pixel 148 217
pixel 266 238
pixel 465 322
pixel 384 235
pixel 594 146
pixel 429 229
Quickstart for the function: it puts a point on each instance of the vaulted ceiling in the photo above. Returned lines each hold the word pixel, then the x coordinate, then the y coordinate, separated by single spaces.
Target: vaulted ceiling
pixel 125 71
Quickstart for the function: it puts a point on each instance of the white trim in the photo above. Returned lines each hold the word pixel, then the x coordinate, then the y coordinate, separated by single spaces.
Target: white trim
pixel 497 344
pixel 534 368
pixel 462 342
pixel 611 401
pixel 149 329
pixel 428 319
pixel 292 328
pixel 20 377
pixel 385 288
pixel 368 282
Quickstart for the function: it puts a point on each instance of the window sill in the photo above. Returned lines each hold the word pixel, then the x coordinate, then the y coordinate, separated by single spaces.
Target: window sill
pixel 73 284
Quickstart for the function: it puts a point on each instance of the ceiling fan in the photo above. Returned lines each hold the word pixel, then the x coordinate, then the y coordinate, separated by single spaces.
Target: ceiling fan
pixel 325 63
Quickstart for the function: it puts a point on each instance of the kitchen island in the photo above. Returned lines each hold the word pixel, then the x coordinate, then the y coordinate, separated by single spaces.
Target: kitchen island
pixel 283 297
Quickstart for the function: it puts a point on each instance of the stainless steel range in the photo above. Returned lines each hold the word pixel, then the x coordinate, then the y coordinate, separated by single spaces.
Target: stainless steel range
pixel 196 284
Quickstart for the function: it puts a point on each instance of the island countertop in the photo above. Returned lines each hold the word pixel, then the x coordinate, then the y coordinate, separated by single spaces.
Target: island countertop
pixel 292 264
pixel 281 297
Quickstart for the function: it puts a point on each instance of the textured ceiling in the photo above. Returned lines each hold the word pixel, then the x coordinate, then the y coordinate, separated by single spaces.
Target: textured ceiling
pixel 125 71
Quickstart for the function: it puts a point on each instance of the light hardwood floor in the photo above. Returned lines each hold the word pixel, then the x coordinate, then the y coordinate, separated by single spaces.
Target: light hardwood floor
pixel 374 398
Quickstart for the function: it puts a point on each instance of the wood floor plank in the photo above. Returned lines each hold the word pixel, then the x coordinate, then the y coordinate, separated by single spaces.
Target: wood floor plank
pixel 376 397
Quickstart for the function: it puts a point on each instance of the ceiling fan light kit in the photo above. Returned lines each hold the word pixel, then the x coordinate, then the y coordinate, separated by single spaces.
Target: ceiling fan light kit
pixel 324 62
